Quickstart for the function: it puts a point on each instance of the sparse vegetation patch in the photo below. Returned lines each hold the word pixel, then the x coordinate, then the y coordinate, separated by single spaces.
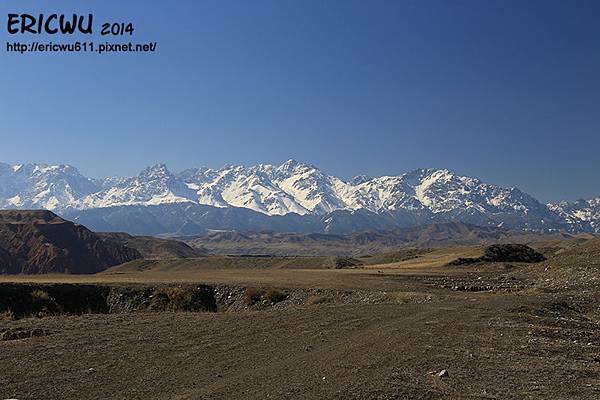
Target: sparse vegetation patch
pixel 504 253
pixel 186 298
pixel 269 296
pixel 345 262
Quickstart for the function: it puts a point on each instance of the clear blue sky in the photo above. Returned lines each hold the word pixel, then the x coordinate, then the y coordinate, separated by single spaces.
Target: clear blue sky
pixel 507 91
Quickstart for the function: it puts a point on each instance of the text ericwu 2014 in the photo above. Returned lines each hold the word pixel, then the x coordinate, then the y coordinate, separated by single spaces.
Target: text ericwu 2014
pixel 51 24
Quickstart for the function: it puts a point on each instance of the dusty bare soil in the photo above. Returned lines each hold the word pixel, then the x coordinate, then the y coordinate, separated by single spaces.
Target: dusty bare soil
pixel 509 346
pixel 499 330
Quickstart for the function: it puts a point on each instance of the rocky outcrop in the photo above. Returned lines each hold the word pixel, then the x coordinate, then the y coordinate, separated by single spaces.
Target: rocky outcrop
pixel 37 242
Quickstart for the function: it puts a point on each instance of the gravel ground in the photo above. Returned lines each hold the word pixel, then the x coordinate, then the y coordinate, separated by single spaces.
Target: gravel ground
pixel 487 331
pixel 492 345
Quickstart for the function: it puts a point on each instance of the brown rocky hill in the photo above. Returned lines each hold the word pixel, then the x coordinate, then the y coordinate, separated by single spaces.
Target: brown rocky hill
pixel 38 242
pixel 152 247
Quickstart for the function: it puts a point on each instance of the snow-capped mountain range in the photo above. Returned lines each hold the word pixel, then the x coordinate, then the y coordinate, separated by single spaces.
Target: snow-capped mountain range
pixel 297 195
pixel 580 215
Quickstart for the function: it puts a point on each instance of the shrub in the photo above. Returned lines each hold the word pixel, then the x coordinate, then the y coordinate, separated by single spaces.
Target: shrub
pixel 512 253
pixel 40 295
pixel 345 262
pixel 6 315
pixel 504 253
pixel 42 303
pixel 199 298
pixel 256 295
pixel 464 261
pixel 274 296
pixel 159 302
pixel 180 299
pixel 253 295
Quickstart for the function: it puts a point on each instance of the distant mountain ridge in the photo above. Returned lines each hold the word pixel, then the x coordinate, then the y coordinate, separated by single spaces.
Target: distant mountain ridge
pixel 359 243
pixel 293 196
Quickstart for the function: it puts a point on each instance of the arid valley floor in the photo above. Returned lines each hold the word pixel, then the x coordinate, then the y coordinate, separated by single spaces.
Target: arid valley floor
pixel 379 331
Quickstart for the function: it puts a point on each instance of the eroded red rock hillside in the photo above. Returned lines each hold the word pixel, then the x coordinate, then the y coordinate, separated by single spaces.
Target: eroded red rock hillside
pixel 39 241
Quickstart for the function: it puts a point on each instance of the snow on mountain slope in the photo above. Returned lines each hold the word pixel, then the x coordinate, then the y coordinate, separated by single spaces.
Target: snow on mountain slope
pixel 419 196
pixel 304 189
pixel 154 185
pixel 238 186
pixel 315 191
pixel 583 214
pixel 42 186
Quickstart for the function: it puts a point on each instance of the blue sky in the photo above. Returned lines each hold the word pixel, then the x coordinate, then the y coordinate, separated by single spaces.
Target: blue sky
pixel 507 91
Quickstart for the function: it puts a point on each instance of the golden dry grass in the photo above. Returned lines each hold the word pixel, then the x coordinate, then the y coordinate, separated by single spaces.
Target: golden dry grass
pixel 434 259
pixel 280 272
pixel 338 279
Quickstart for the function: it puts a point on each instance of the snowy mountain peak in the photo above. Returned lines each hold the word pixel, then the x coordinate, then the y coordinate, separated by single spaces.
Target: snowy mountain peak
pixel 42 186
pixel 420 195
pixel 157 171
pixel 292 166
pixel 289 164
